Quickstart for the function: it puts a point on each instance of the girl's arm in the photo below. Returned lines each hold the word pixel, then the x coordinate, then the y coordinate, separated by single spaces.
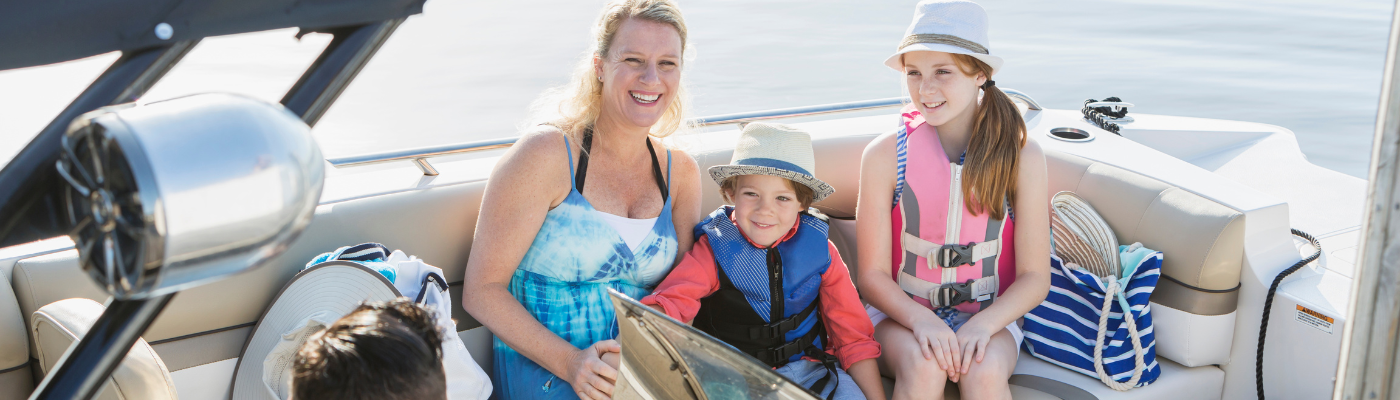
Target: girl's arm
pixel 510 217
pixel 873 205
pixel 1032 240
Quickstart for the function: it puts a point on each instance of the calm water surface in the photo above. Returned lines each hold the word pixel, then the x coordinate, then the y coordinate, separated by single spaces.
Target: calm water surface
pixel 468 70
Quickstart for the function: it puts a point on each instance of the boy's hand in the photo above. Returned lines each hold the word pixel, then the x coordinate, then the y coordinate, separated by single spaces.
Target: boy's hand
pixel 972 343
pixel 938 342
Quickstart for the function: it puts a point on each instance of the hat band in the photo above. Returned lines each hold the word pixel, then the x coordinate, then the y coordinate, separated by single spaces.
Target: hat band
pixel 938 38
pixel 772 163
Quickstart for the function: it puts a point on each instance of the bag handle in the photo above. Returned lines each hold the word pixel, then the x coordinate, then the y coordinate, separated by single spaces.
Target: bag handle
pixel 1139 366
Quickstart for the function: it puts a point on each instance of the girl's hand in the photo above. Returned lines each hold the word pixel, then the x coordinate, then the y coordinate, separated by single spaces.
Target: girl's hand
pixel 972 343
pixel 938 342
pixel 591 376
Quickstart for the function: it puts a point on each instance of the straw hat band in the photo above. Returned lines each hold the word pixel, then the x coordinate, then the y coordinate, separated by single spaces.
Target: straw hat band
pixel 938 38
pixel 772 163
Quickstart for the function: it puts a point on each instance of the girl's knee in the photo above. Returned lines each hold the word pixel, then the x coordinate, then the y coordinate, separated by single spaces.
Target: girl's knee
pixel 990 373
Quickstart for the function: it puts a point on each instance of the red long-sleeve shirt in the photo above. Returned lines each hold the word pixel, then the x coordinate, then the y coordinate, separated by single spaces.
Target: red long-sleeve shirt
pixel 849 333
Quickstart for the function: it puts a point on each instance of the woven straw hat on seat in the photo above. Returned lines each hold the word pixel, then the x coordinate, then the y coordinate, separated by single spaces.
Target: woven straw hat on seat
pixel 1081 237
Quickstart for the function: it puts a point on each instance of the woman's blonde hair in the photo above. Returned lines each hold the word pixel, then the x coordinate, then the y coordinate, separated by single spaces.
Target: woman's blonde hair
pixel 579 102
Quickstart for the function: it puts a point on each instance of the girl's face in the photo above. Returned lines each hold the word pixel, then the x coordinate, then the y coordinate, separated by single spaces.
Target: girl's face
pixel 640 73
pixel 939 88
pixel 765 207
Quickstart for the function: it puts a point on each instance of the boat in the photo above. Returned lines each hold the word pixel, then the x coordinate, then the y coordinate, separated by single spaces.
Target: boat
pixel 1220 198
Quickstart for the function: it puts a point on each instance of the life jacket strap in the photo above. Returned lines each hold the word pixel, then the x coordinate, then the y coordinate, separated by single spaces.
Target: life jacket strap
pixel 950 255
pixel 778 355
pixel 773 330
pixel 949 294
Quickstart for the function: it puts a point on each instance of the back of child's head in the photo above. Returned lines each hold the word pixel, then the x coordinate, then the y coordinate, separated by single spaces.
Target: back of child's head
pixel 803 193
pixel 381 350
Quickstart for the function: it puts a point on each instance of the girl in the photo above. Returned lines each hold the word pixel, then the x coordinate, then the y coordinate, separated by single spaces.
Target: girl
pixel 953 215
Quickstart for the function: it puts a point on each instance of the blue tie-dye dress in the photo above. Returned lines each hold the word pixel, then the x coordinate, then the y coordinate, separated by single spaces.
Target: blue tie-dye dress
pixel 563 282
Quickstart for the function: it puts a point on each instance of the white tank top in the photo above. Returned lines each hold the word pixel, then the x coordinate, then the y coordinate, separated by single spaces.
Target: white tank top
pixel 633 231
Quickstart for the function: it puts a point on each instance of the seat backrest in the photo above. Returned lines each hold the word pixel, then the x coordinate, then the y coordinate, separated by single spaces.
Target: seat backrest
pixel 140 375
pixel 1202 243
pixel 211 323
pixel 16 380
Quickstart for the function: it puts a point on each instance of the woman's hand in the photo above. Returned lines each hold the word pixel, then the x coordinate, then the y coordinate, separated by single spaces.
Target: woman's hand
pixel 590 375
pixel 938 342
pixel 972 343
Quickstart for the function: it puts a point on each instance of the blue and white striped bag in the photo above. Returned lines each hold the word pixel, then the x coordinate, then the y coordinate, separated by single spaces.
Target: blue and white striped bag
pixel 1069 329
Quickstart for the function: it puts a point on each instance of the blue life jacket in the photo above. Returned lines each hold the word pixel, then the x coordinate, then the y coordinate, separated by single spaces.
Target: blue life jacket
pixel 767 300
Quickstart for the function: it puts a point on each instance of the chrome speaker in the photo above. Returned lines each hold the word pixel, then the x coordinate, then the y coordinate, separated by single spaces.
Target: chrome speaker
pixel 177 193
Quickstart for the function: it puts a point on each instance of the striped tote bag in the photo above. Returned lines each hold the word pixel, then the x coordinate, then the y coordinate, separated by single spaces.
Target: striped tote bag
pixel 1081 324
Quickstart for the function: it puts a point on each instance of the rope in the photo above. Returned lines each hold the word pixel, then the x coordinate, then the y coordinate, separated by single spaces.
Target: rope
pixel 1099 115
pixel 1269 302
pixel 1139 365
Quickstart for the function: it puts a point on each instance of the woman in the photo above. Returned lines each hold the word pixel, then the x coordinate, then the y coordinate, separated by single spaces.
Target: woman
pixel 944 268
pixel 584 203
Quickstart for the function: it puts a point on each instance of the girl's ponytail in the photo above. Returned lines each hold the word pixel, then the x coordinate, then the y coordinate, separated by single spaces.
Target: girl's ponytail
pixel 998 133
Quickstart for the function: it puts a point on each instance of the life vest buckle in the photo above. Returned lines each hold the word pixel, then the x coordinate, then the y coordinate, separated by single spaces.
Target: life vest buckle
pixel 952 255
pixel 971 291
pixel 951 294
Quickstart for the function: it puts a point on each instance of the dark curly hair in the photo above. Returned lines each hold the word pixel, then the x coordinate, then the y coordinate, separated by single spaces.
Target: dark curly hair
pixel 381 350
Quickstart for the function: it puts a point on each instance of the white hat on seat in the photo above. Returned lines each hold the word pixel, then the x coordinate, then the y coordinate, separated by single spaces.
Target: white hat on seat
pixel 315 298
pixel 949 26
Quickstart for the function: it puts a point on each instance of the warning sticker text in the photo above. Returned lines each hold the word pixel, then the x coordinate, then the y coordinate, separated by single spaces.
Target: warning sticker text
pixel 1314 319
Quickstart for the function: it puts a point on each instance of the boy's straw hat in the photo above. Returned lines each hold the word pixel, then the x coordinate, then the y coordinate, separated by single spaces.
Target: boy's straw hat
pixel 778 150
pixel 949 26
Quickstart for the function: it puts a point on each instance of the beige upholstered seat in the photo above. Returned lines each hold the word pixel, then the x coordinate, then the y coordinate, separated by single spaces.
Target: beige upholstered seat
pixel 141 375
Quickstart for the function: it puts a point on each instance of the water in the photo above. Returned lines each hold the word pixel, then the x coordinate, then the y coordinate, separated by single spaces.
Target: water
pixel 468 70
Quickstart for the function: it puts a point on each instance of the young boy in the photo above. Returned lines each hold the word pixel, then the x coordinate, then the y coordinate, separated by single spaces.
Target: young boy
pixel 764 278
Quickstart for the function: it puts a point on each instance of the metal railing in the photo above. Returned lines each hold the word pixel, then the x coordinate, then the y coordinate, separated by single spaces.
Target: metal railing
pixel 420 156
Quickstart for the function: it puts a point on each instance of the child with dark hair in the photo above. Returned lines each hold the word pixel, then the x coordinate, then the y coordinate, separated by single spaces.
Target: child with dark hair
pixel 381 350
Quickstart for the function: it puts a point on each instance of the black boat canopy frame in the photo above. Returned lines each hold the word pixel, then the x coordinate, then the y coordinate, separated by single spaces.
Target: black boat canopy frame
pixel 45 32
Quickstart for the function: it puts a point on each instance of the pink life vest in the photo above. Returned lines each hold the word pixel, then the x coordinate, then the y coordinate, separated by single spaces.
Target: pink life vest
pixel 931 227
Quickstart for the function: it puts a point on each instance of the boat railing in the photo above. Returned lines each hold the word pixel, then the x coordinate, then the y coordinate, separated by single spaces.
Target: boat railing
pixel 419 156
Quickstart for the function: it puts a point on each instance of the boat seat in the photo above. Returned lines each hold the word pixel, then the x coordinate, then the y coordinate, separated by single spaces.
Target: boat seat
pixel 16 378
pixel 141 374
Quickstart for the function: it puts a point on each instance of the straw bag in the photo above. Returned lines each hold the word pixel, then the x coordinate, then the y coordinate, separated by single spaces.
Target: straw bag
pixel 1081 325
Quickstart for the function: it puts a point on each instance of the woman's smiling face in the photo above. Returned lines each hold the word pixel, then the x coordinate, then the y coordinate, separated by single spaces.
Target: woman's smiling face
pixel 640 73
pixel 765 207
pixel 939 87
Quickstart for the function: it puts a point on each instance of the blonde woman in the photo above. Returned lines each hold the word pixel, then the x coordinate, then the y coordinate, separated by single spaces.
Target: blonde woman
pixel 953 216
pixel 586 202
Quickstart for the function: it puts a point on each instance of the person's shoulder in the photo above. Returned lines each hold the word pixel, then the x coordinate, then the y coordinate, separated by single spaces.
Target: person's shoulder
pixel 884 141
pixel 682 164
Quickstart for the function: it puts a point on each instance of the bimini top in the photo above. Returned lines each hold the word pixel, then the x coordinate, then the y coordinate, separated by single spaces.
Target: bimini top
pixel 44 32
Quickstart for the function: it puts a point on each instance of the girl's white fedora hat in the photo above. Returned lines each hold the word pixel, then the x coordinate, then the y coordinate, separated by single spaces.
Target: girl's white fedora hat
pixel 778 150
pixel 949 26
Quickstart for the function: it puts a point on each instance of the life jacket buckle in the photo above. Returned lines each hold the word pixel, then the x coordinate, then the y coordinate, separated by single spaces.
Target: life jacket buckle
pixel 952 255
pixel 951 294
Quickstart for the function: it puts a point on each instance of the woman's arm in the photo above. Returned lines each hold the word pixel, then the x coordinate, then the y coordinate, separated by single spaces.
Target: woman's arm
pixel 685 206
pixel 511 214
pixel 1032 238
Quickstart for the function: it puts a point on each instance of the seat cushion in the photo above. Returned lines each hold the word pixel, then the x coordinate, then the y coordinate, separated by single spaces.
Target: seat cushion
pixel 1176 382
pixel 141 375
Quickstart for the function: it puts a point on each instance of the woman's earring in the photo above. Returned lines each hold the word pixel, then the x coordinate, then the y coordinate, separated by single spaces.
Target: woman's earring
pixel 600 79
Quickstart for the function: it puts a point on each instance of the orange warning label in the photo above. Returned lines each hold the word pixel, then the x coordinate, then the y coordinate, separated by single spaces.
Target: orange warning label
pixel 1314 319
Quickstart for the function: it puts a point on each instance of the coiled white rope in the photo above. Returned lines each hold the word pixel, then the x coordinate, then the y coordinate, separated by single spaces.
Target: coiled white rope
pixel 1140 366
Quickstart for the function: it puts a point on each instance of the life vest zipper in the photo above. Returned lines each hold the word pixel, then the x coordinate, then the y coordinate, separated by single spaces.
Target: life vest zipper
pixel 775 285
pixel 955 206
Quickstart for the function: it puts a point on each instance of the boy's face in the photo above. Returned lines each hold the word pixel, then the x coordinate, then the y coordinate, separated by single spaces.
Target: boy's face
pixel 765 207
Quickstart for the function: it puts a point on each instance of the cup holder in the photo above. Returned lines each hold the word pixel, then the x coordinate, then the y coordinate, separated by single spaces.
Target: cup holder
pixel 1071 134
